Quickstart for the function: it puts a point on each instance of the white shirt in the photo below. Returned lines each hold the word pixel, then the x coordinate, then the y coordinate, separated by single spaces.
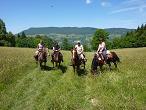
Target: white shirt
pixel 101 47
pixel 79 49
pixel 40 46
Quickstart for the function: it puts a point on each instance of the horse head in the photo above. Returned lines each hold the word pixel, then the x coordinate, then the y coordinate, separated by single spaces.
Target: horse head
pixel 41 56
pixel 98 59
pixel 56 56
pixel 74 53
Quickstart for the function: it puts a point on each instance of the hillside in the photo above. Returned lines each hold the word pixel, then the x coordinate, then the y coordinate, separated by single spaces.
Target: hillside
pixel 73 30
pixel 24 87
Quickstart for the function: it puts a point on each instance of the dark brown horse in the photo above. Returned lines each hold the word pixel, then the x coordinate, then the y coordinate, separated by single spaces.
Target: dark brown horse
pixel 57 58
pixel 97 61
pixel 112 57
pixel 41 57
pixel 75 60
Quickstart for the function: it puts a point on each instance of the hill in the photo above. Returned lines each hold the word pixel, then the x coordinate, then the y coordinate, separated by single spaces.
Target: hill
pixel 74 30
pixel 24 87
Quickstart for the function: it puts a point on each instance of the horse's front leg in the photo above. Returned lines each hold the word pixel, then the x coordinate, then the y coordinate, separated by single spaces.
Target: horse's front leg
pixel 59 64
pixel 100 67
pixel 40 65
pixel 84 64
pixel 115 64
pixel 74 68
pixel 109 64
pixel 44 63
pixel 53 64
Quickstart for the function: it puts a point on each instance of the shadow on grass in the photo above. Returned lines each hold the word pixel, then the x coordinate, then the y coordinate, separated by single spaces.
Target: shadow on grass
pixel 105 69
pixel 63 68
pixel 82 72
pixel 47 68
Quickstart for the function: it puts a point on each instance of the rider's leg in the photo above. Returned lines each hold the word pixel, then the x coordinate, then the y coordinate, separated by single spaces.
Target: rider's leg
pixel 101 56
pixel 104 56
pixel 82 57
pixel 52 55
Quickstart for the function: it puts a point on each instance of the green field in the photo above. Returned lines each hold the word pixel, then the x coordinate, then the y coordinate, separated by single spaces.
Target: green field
pixel 24 87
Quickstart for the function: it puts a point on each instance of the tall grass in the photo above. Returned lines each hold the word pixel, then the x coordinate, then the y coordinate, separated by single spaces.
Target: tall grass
pixel 24 86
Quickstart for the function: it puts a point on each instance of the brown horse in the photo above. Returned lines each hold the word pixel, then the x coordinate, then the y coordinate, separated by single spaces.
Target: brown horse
pixel 97 61
pixel 40 58
pixel 57 58
pixel 112 57
pixel 76 61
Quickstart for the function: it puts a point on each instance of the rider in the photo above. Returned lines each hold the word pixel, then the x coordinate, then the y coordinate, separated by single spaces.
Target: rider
pixel 40 48
pixel 56 47
pixel 80 50
pixel 102 49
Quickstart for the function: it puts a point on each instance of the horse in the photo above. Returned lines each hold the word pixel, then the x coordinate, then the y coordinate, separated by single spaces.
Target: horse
pixel 41 57
pixel 97 61
pixel 112 57
pixel 57 58
pixel 76 61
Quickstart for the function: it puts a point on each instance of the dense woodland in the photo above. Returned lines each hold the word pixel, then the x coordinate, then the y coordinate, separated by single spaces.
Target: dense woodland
pixel 135 38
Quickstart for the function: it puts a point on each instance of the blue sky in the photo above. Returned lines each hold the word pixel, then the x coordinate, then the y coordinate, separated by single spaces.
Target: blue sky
pixel 19 15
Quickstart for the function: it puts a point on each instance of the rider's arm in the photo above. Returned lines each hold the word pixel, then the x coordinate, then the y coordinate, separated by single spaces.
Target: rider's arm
pixel 98 48
pixel 102 46
pixel 75 46
pixel 53 48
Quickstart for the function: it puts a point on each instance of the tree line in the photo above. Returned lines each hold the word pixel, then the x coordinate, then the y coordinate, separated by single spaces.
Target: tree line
pixel 133 39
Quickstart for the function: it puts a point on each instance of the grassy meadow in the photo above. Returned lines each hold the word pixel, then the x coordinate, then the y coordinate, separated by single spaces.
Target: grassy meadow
pixel 24 87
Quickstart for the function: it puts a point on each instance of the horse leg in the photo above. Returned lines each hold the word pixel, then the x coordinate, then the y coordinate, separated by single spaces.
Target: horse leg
pixel 44 63
pixel 78 67
pixel 100 67
pixel 115 64
pixel 109 64
pixel 59 64
pixel 40 64
pixel 53 64
pixel 56 64
pixel 74 68
pixel 84 64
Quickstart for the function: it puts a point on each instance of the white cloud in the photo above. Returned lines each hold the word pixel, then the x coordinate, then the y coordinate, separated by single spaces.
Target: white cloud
pixel 130 5
pixel 88 1
pixel 140 8
pixel 105 4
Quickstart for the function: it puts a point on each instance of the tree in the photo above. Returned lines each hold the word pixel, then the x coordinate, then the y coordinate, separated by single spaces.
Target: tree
pixel 3 31
pixel 11 39
pixel 18 35
pixel 100 33
pixel 65 44
pixel 23 35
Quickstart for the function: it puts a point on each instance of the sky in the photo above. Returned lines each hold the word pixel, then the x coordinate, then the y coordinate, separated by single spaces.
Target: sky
pixel 20 15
